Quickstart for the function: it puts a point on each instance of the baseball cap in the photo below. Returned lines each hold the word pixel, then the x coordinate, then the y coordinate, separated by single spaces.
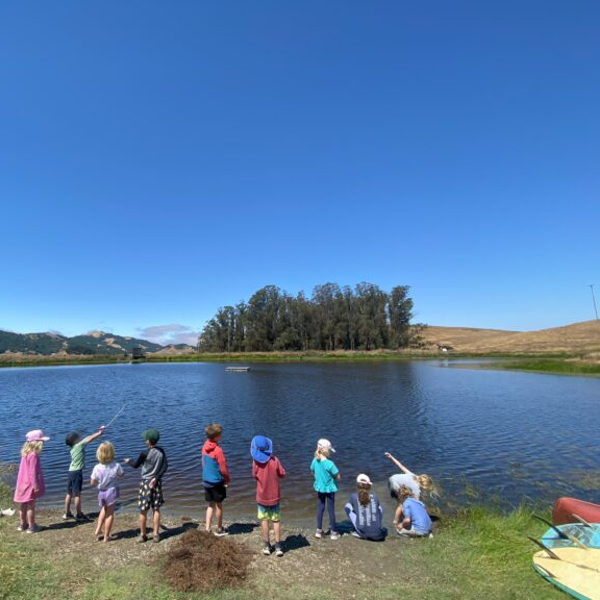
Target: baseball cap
pixel 261 448
pixel 151 435
pixel 324 444
pixel 36 435
pixel 362 478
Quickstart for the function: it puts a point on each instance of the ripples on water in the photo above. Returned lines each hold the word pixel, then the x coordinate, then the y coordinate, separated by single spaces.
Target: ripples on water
pixel 507 434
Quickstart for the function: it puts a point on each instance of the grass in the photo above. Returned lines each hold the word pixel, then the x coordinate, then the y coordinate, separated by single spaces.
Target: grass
pixel 544 365
pixel 479 553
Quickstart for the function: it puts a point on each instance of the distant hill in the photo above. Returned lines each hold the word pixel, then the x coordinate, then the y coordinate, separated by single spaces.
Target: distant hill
pixel 573 339
pixel 95 342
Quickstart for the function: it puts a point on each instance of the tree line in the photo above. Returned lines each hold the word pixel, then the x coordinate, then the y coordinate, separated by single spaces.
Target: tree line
pixel 364 317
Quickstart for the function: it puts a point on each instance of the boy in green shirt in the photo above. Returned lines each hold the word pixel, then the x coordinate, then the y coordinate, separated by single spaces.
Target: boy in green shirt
pixel 75 481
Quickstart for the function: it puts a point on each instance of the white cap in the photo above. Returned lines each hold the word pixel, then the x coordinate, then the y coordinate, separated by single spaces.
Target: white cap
pixel 362 478
pixel 324 444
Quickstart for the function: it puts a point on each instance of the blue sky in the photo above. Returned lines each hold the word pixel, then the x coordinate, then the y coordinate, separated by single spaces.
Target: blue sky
pixel 158 160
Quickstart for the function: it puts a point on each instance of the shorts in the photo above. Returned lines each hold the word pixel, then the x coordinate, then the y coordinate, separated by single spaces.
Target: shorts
pixel 108 497
pixel 216 493
pixel 269 513
pixel 150 498
pixel 75 483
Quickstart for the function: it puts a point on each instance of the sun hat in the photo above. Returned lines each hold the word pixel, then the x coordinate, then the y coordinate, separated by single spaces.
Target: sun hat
pixel 261 448
pixel 324 444
pixel 362 478
pixel 151 435
pixel 36 435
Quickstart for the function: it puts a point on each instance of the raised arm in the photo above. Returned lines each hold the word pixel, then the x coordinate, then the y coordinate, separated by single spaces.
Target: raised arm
pixel 397 463
pixel 91 438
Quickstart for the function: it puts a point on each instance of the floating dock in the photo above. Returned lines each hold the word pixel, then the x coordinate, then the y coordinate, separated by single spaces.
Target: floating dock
pixel 237 369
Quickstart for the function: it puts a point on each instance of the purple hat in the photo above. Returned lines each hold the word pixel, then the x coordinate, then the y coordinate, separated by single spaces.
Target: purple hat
pixel 36 435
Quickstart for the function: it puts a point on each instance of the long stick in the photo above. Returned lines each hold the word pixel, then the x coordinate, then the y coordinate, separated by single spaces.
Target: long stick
pixel 115 417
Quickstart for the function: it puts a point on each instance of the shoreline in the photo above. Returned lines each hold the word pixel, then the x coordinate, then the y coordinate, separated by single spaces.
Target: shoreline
pixel 560 364
pixel 478 553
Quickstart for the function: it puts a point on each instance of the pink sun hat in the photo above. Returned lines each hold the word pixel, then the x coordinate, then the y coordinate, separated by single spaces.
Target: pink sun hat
pixel 36 435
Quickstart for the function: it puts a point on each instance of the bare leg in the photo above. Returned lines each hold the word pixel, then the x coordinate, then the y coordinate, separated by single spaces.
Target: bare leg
pixel 143 516
pixel 277 531
pixel 108 521
pixel 156 522
pixel 265 532
pixel 101 518
pixel 31 513
pixel 23 514
pixel 78 505
pixel 209 515
pixel 219 515
pixel 68 504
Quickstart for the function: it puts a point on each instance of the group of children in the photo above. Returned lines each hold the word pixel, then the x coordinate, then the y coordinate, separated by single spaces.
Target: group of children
pixel 363 509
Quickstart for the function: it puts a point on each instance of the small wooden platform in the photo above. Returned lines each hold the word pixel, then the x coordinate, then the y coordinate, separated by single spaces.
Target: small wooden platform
pixel 237 369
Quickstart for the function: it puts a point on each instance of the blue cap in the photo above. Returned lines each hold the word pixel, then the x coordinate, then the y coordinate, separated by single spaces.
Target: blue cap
pixel 261 448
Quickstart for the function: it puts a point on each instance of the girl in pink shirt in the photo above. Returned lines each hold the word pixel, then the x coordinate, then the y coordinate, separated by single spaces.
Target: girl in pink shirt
pixel 30 480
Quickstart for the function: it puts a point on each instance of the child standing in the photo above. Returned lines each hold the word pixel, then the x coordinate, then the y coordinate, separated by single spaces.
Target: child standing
pixel 215 476
pixel 267 470
pixel 411 516
pixel 106 475
pixel 154 465
pixel 30 480
pixel 326 474
pixel 365 512
pixel 75 481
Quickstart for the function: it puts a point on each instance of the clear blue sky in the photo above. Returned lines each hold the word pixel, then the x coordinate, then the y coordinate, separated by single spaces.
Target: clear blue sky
pixel 160 159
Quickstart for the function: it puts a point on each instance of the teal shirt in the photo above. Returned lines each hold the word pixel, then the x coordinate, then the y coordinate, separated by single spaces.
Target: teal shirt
pixel 325 472
pixel 78 456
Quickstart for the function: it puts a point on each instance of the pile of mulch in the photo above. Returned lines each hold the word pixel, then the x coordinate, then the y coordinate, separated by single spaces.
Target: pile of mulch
pixel 199 561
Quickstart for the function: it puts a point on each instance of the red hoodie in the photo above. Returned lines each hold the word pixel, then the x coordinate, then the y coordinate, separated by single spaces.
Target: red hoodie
pixel 214 465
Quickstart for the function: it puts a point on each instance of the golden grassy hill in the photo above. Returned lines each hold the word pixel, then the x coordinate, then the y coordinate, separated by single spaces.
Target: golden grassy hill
pixel 579 338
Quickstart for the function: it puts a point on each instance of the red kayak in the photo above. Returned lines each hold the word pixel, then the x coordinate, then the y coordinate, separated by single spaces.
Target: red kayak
pixel 564 509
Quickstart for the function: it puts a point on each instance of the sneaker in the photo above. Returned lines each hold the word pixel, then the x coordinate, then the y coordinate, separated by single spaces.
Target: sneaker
pixel 82 518
pixel 319 534
pixel 141 539
pixel 68 516
pixel 33 529
pixel 267 549
pixel 22 527
pixel 278 550
pixel 335 535
pixel 156 538
pixel 221 532
pixel 356 534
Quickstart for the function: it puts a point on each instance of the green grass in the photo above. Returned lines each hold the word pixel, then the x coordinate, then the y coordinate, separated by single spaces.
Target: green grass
pixel 479 553
pixel 544 365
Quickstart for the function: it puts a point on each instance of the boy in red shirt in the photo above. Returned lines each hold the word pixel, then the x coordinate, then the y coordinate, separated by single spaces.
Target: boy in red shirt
pixel 267 470
pixel 215 476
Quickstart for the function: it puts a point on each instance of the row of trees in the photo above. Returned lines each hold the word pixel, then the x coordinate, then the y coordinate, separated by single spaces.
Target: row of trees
pixel 333 318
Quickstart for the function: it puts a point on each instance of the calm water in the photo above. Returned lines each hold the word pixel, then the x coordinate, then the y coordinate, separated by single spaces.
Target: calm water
pixel 500 433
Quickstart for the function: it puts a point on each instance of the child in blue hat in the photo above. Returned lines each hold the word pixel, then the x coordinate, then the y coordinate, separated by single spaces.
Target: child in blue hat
pixel 267 470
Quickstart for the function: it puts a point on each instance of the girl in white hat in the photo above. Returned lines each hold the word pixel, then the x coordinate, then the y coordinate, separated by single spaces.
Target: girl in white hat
pixel 365 512
pixel 326 474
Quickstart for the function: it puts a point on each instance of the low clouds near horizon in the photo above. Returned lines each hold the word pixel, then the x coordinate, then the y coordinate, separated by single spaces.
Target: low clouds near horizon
pixel 170 334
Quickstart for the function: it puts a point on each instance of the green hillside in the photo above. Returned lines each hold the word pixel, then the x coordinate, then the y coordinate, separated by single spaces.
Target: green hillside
pixel 95 342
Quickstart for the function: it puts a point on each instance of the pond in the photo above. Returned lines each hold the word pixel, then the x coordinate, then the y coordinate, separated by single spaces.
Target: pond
pixel 481 434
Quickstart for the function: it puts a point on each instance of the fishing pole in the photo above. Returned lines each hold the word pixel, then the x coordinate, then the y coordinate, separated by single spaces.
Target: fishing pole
pixel 115 417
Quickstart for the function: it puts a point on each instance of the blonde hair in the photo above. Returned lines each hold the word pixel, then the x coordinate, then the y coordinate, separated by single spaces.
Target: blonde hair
pixel 426 483
pixel 105 453
pixel 29 447
pixel 404 493
pixel 364 493
pixel 321 453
